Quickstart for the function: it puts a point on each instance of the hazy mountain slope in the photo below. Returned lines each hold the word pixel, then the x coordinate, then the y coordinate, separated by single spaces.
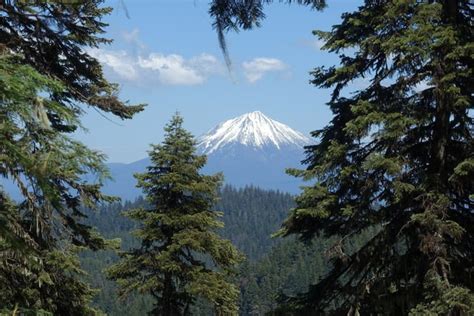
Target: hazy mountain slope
pixel 251 149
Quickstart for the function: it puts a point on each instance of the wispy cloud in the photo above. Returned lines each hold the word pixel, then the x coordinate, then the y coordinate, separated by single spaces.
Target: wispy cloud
pixel 172 69
pixel 134 65
pixel 118 61
pixel 133 37
pixel 207 64
pixel 256 68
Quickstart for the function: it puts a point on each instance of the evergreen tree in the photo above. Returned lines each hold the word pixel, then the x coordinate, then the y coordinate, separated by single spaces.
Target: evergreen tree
pixel 41 235
pixel 181 257
pixel 53 37
pixel 248 232
pixel 397 154
pixel 46 77
pixel 232 15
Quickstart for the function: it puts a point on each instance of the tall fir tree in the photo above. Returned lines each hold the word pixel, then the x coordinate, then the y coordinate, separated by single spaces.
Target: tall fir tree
pixel 41 234
pixel 46 79
pixel 398 154
pixel 181 257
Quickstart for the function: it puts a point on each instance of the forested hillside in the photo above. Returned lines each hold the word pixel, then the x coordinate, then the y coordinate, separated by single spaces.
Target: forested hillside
pixel 251 215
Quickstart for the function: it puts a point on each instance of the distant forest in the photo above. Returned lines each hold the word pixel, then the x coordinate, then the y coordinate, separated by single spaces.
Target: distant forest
pixel 273 266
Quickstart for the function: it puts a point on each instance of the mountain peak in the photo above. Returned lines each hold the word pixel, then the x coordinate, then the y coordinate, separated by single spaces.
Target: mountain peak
pixel 252 129
pixel 254 114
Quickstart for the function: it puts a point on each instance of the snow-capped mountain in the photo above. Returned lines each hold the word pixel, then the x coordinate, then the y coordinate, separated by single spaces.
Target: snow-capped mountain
pixel 252 130
pixel 251 149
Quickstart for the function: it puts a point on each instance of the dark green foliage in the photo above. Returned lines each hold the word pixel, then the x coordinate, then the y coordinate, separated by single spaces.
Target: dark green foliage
pixel 250 216
pixel 181 256
pixel 45 79
pixel 398 154
pixel 52 37
pixel 288 269
pixel 279 267
pixel 45 164
pixel 110 222
pixel 41 234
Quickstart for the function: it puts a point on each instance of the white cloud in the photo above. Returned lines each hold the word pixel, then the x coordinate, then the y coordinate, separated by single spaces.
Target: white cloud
pixel 133 37
pixel 118 61
pixel 207 64
pixel 256 68
pixel 172 69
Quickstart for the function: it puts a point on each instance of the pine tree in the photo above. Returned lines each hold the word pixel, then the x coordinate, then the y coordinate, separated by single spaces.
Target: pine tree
pixel 398 154
pixel 40 236
pixel 181 256
pixel 46 78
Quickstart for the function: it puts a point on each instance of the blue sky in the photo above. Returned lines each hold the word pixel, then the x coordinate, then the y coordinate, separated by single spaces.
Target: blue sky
pixel 166 54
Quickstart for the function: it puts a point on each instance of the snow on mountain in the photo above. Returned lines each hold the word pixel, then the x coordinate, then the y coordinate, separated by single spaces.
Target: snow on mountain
pixel 251 149
pixel 252 129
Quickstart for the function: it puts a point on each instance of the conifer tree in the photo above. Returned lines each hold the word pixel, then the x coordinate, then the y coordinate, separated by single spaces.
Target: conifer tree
pixel 398 154
pixel 233 15
pixel 181 256
pixel 41 234
pixel 54 37
pixel 46 79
